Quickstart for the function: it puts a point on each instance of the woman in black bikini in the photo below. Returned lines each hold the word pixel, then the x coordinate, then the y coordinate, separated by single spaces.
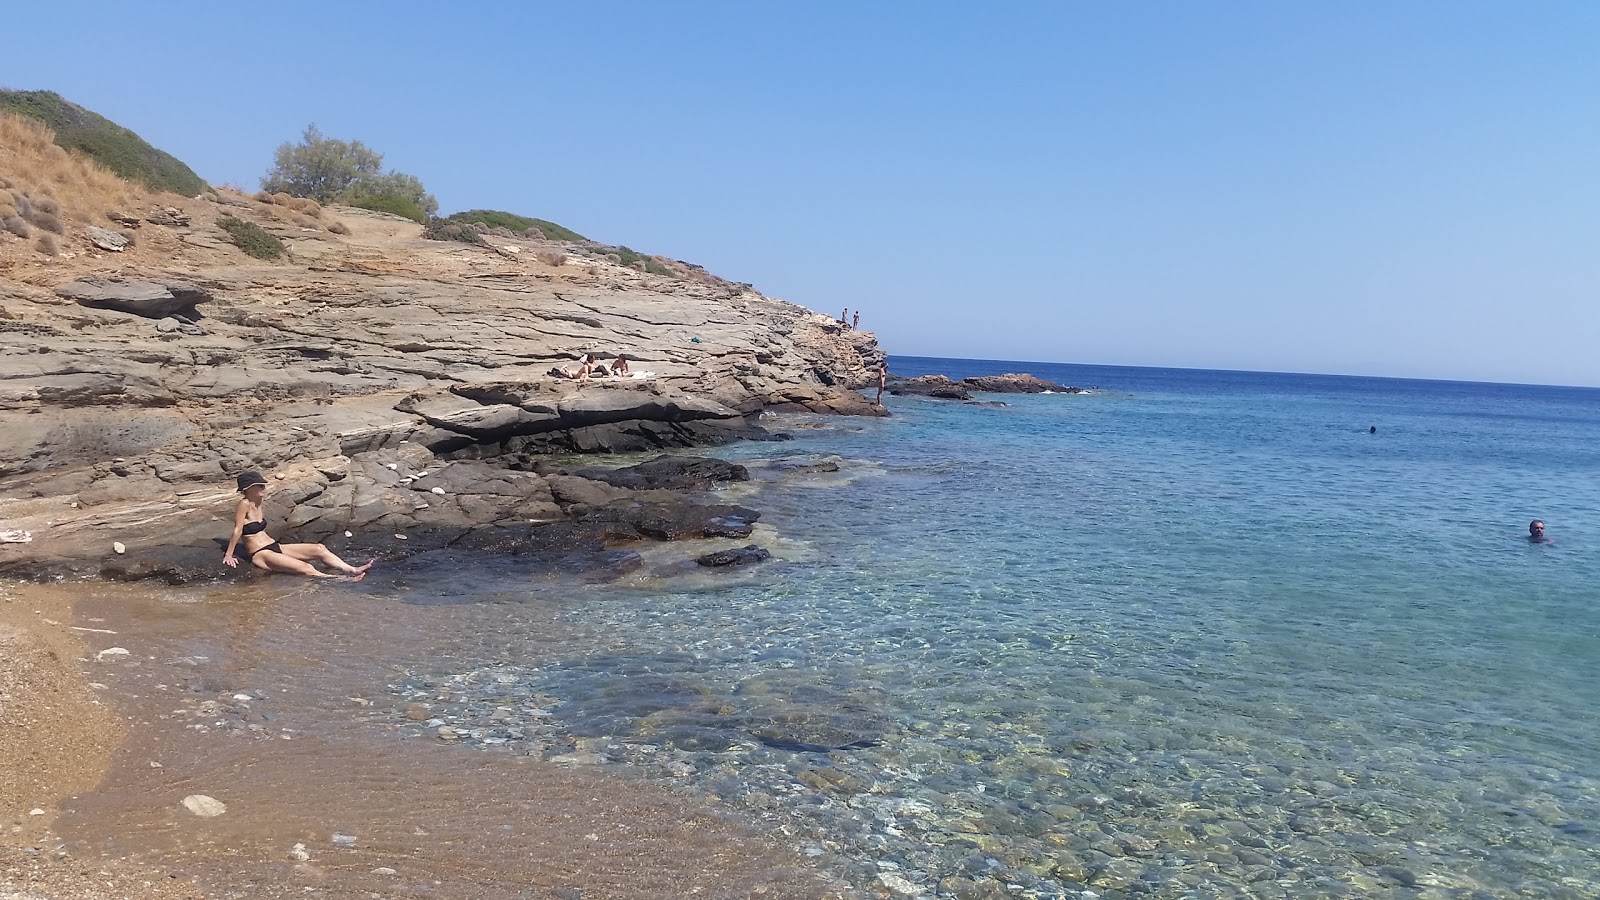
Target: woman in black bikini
pixel 250 535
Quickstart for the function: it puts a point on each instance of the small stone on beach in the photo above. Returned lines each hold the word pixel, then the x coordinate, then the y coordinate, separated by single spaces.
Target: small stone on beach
pixel 119 546
pixel 203 806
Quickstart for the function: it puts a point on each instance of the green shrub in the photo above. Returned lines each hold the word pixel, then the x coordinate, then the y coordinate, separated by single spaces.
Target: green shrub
pixel 104 141
pixel 333 171
pixel 400 206
pixel 511 221
pixel 252 238
pixel 633 259
pixel 446 230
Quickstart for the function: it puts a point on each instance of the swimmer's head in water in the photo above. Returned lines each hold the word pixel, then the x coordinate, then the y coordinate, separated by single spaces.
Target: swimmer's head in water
pixel 1536 528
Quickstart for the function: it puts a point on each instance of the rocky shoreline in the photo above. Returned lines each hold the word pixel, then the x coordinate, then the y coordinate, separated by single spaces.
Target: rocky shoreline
pixel 397 392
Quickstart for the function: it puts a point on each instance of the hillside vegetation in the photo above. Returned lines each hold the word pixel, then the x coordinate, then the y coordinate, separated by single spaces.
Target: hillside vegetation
pixel 498 218
pixel 104 141
pixel 44 186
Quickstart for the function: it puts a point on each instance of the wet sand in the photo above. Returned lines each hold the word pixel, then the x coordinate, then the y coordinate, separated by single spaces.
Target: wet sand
pixel 259 697
pixel 56 739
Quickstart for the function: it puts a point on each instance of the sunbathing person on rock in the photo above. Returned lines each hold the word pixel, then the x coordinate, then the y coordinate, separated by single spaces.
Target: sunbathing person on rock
pixel 592 366
pixel 586 367
pixel 250 535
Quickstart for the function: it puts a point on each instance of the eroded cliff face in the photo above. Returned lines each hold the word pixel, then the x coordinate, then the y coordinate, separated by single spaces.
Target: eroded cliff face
pixel 136 384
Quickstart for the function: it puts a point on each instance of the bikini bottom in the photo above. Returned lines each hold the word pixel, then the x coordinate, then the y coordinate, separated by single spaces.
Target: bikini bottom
pixel 275 547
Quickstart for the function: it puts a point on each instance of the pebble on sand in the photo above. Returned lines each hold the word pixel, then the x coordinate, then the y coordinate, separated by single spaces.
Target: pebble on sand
pixel 119 546
pixel 203 806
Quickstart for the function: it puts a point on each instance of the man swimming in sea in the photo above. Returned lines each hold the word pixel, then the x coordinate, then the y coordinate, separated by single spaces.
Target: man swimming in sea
pixel 1536 533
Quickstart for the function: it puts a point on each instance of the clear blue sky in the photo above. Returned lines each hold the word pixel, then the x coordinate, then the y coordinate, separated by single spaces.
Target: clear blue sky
pixel 1355 187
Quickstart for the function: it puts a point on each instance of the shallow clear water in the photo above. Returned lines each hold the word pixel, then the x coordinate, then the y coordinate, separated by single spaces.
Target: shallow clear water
pixel 1195 633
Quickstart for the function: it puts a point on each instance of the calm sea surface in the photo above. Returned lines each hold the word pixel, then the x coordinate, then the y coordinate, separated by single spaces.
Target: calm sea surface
pixel 1192 634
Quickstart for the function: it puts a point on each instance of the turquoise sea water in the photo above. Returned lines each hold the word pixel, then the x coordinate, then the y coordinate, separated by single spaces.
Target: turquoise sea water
pixel 1193 634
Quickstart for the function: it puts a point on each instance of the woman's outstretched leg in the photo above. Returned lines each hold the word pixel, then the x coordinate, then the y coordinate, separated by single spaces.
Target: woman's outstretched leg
pixel 319 553
pixel 282 562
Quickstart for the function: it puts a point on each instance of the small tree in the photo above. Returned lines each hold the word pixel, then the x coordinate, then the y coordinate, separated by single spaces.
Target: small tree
pixel 319 167
pixel 333 171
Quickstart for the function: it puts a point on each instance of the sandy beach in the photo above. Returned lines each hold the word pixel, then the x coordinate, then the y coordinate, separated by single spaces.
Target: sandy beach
pixel 111 744
pixel 57 738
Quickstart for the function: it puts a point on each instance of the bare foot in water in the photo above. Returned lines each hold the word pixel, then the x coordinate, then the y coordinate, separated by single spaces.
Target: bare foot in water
pixel 356 573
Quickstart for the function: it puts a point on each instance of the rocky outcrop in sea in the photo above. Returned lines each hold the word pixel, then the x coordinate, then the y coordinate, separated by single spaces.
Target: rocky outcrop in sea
pixel 944 388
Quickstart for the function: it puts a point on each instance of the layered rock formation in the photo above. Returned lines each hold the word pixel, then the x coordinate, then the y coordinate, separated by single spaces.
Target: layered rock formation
pixel 383 382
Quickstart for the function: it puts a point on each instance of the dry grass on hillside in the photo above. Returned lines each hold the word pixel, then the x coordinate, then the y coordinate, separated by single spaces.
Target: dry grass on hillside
pixel 301 212
pixel 51 178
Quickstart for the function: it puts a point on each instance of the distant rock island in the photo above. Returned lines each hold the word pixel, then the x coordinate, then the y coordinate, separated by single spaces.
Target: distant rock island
pixel 943 388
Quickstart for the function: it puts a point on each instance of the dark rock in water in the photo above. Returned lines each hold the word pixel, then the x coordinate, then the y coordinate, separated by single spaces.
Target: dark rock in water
pixel 799 711
pixel 601 566
pixel 929 386
pixel 1016 384
pixel 817 467
pixel 666 517
pixel 142 298
pixel 670 472
pixel 737 557
pixel 945 389
pixel 729 526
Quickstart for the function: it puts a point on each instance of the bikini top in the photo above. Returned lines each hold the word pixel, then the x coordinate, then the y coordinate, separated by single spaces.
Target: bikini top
pixel 254 527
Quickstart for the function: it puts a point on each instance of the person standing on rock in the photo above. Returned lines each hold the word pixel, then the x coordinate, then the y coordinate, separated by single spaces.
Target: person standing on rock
pixel 855 321
pixel 883 379
pixel 250 535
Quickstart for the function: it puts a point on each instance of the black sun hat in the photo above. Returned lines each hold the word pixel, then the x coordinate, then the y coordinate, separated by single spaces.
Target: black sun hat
pixel 250 479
